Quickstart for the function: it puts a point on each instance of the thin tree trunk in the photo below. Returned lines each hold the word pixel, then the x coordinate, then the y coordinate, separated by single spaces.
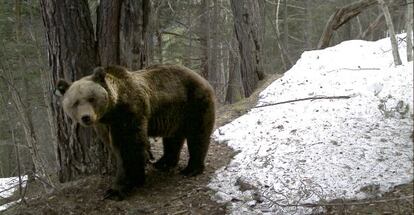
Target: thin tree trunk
pixel 372 27
pixel 157 31
pixel 390 25
pixel 213 74
pixel 18 14
pixel 19 172
pixel 234 88
pixel 308 26
pixel 159 46
pixel 347 34
pixel 409 30
pixel 285 27
pixel 189 48
pixel 285 58
pixel 27 124
pixel 204 35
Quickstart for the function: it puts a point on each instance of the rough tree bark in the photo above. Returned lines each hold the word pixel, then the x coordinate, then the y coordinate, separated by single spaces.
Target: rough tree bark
pixel 204 35
pixel 213 74
pixel 390 25
pixel 247 24
pixel 134 34
pixel 234 88
pixel 340 17
pixel 107 33
pixel 72 54
pixel 157 30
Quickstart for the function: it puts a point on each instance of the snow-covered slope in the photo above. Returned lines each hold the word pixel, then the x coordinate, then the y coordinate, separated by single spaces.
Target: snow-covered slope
pixel 307 151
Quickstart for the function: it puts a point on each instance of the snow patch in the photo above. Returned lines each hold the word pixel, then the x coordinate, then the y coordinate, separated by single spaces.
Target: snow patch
pixel 7 187
pixel 307 151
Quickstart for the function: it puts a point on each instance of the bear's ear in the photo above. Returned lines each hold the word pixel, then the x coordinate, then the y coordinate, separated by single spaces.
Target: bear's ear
pixel 99 74
pixel 61 87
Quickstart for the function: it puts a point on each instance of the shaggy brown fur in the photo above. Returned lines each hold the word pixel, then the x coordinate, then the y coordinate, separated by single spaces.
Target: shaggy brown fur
pixel 169 101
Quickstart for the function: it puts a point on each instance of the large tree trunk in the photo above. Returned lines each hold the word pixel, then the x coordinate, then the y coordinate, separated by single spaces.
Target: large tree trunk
pixel 135 34
pixel 123 33
pixel 109 13
pixel 247 24
pixel 71 51
pixel 122 38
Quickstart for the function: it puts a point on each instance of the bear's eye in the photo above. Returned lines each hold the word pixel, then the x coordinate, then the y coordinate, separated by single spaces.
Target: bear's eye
pixel 75 104
pixel 91 100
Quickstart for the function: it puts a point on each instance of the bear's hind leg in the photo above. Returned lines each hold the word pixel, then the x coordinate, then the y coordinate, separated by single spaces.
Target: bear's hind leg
pixel 172 148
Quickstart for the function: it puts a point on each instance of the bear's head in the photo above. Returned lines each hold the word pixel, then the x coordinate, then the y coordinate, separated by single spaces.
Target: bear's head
pixel 86 100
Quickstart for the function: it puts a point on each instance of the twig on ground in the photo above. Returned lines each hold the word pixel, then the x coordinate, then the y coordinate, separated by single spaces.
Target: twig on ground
pixel 303 99
pixel 180 212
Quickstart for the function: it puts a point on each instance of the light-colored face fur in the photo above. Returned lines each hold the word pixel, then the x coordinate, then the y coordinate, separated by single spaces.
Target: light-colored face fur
pixel 85 101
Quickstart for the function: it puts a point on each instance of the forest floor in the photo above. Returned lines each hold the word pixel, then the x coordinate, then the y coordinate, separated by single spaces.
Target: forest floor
pixel 171 193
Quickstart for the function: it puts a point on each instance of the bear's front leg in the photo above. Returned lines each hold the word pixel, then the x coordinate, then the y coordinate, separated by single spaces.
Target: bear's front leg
pixel 130 149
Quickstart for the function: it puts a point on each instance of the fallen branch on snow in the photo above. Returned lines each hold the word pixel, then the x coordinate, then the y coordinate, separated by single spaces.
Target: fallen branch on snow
pixel 304 99
pixel 367 202
pixel 359 68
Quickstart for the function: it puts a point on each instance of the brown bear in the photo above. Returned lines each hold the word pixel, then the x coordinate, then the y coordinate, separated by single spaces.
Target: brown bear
pixel 167 101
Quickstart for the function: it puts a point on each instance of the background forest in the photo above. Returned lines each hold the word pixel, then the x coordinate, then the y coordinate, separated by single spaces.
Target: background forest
pixel 204 35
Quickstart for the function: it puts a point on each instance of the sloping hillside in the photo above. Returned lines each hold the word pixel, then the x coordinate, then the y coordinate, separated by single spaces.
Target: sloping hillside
pixel 338 125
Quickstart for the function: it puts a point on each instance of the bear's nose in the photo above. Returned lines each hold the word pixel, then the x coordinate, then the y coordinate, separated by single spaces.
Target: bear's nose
pixel 86 119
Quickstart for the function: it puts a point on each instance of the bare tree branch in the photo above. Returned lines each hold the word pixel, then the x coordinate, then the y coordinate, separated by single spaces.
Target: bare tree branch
pixel 340 17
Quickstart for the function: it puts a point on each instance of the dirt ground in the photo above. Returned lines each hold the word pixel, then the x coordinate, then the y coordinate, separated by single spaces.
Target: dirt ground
pixel 173 194
pixel 163 193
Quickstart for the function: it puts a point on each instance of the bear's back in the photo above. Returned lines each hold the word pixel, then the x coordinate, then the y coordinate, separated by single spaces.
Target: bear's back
pixel 174 80
pixel 177 96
